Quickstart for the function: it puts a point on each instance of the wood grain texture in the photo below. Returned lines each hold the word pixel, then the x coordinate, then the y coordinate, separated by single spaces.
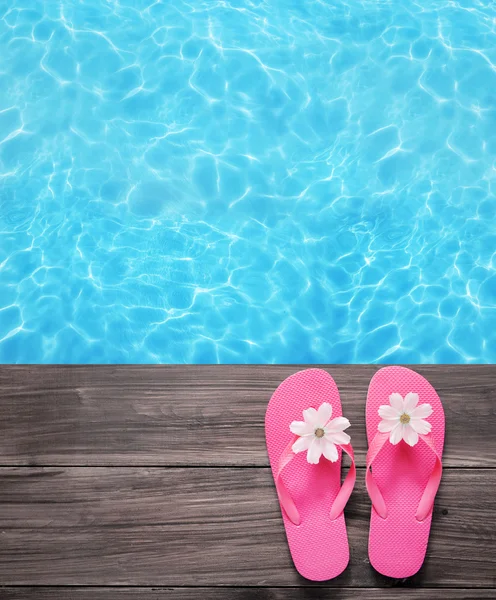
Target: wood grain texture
pixel 264 593
pixel 211 527
pixel 203 415
pixel 211 517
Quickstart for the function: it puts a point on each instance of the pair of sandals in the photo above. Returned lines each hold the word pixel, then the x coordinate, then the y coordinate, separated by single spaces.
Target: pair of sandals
pixel 306 435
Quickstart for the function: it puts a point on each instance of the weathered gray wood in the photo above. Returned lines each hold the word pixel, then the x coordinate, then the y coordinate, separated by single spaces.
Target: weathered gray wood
pixel 303 593
pixel 210 526
pixel 202 415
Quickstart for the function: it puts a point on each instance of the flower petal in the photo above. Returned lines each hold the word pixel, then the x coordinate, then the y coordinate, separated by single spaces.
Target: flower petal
pixel 411 401
pixel 324 413
pixel 338 424
pixel 396 402
pixel 421 426
pixel 301 444
pixel 422 412
pixel 310 416
pixel 301 428
pixel 396 434
pixel 410 435
pixel 388 412
pixel 330 451
pixel 388 425
pixel 337 437
pixel 315 451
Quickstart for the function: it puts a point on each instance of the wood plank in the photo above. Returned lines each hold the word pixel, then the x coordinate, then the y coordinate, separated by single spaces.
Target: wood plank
pixel 210 526
pixel 252 593
pixel 202 415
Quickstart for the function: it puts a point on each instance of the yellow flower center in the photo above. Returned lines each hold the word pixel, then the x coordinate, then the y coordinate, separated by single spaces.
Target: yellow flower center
pixel 319 432
pixel 404 419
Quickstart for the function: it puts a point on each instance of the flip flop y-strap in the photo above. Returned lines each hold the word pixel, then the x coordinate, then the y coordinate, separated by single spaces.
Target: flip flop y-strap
pixel 427 500
pixel 341 499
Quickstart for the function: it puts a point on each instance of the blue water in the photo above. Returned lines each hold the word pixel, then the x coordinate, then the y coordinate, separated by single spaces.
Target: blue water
pixel 247 181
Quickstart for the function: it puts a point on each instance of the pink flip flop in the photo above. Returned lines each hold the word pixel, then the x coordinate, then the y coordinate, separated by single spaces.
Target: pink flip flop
pixel 305 436
pixel 405 430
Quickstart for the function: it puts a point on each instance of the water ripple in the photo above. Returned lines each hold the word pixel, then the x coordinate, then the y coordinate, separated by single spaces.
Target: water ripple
pixel 248 181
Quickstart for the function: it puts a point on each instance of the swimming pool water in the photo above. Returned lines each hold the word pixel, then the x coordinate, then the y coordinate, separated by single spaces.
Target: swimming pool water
pixel 248 181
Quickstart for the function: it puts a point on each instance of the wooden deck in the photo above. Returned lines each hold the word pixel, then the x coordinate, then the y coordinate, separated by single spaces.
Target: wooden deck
pixel 152 483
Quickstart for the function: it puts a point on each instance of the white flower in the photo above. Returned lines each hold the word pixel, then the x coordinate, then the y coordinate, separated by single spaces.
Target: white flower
pixel 404 420
pixel 319 435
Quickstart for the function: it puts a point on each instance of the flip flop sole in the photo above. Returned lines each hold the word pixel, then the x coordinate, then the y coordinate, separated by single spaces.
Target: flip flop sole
pixel 318 546
pixel 398 543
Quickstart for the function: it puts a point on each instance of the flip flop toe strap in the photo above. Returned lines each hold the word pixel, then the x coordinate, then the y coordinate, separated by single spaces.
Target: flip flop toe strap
pixel 426 502
pixel 347 487
pixel 287 502
pixel 284 496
